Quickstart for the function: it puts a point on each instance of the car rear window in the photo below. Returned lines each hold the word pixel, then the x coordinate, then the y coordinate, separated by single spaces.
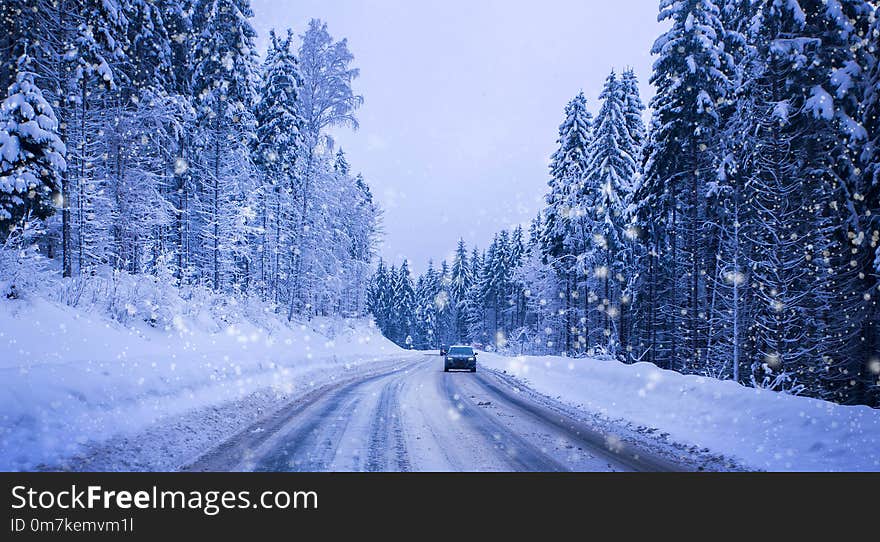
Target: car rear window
pixel 461 351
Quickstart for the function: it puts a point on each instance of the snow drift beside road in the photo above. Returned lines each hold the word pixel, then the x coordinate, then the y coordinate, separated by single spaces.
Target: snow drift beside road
pixel 762 429
pixel 70 376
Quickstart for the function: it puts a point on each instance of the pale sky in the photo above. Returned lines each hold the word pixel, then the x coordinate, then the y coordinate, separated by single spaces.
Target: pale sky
pixel 463 101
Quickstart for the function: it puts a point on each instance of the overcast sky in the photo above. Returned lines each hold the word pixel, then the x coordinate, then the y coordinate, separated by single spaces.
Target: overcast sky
pixel 463 100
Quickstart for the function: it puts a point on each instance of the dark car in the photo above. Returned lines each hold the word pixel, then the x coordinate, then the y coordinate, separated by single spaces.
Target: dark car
pixel 460 357
pixel 444 349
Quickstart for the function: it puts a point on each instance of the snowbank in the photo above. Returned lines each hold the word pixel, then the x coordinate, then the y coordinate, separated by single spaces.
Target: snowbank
pixel 71 376
pixel 762 429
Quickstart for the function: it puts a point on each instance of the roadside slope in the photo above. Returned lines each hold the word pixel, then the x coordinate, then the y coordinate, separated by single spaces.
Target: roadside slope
pixel 760 429
pixel 73 379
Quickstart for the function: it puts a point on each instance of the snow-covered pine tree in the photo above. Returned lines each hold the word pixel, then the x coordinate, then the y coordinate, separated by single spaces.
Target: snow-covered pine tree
pixel 141 143
pixel 870 160
pixel 806 313
pixel 516 302
pixel 279 144
pixel 349 227
pixel 223 82
pixel 564 243
pixel 446 311
pixel 691 74
pixel 544 311
pixel 728 313
pixel 567 165
pixel 483 316
pixel 651 205
pixel 493 287
pixel 180 20
pixel 474 303
pixel 17 19
pixel 31 153
pixel 840 28
pixel 610 175
pixel 461 281
pixel 380 300
pixel 149 47
pixel 871 104
pixel 364 226
pixel 633 109
pixel 93 40
pixel 393 323
pixel 427 311
pixel 634 250
pixel 404 305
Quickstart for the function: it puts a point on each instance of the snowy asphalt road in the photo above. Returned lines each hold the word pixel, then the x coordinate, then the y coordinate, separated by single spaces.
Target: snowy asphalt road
pixel 415 417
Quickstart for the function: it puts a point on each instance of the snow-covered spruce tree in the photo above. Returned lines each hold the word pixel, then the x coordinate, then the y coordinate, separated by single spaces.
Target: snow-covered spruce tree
pixel 728 309
pixel 691 74
pixel 148 45
pixel 461 281
pixel 633 108
pixel 516 302
pixel 223 82
pixel 651 208
pixel 380 298
pixel 364 227
pixel 807 309
pixel 870 189
pixel 842 28
pixel 31 153
pixel 18 20
pixel 574 138
pixel 446 312
pixel 544 310
pixel 278 147
pixel 562 241
pixel 871 104
pixel 483 316
pixel 404 306
pixel 493 287
pixel 142 141
pixel 346 234
pixel 443 303
pixel 178 18
pixel 94 39
pixel 146 117
pixel 427 309
pixel 610 174
pixel 634 249
pixel 474 302
pixel 9 15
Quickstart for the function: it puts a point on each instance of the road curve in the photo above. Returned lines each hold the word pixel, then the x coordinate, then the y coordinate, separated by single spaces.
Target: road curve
pixel 415 417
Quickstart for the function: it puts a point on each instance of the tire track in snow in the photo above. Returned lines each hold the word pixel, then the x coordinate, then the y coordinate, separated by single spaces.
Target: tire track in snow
pixel 387 450
pixel 520 454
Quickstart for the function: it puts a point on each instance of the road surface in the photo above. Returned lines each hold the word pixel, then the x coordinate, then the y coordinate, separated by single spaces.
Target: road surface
pixel 414 417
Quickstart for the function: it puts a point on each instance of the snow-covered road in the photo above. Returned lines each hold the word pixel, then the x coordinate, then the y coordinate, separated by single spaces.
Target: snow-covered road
pixel 414 417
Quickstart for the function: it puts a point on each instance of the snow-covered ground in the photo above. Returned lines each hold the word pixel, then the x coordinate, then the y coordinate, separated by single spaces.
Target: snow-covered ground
pixel 79 389
pixel 762 429
pixel 73 377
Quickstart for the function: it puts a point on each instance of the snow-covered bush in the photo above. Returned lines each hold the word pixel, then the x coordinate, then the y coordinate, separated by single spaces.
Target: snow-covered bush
pixel 22 267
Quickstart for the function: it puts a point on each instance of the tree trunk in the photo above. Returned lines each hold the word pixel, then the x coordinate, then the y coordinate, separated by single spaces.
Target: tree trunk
pixel 216 203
